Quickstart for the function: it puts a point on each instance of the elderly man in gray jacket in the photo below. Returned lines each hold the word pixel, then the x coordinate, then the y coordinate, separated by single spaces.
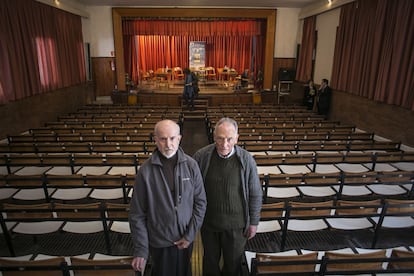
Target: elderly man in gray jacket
pixel 234 200
pixel 167 207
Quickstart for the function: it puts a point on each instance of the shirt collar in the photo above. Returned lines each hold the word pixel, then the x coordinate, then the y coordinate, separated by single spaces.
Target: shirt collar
pixel 228 155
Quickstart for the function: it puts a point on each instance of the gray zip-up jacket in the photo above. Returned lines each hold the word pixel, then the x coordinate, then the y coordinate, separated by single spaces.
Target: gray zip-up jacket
pixel 156 218
pixel 252 190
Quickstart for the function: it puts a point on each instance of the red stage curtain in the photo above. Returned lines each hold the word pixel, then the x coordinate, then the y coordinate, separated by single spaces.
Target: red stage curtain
pixel 374 51
pixel 41 49
pixel 152 44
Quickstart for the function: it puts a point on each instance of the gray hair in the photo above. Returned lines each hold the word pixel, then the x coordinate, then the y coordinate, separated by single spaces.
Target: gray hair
pixel 227 120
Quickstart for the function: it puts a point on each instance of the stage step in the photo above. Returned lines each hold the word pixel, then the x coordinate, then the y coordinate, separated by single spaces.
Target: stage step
pixel 197 112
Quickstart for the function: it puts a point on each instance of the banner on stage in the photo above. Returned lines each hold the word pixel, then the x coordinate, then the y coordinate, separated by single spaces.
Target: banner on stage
pixel 197 52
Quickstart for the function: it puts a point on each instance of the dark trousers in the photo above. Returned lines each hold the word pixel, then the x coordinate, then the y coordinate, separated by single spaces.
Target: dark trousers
pixel 228 244
pixel 171 261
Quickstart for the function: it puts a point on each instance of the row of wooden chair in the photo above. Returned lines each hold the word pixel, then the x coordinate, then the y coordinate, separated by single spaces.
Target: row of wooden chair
pixel 78 147
pixel 46 218
pixel 341 185
pixel 66 188
pixel 343 262
pixel 75 161
pixel 363 160
pixel 319 146
pixel 344 215
pixel 99 264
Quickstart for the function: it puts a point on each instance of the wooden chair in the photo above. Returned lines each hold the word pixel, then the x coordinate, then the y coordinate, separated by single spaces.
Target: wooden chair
pixel 395 264
pixel 178 73
pixel 25 267
pixel 99 268
pixel 42 223
pixel 363 208
pixel 210 73
pixel 278 264
pixel 349 264
pixel 118 214
pixel 80 218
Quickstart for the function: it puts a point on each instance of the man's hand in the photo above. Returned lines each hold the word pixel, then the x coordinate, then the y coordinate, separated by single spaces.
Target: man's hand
pixel 182 243
pixel 138 264
pixel 251 231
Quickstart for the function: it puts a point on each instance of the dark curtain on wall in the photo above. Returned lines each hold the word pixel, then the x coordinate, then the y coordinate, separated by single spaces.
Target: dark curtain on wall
pixel 374 51
pixel 41 49
pixel 152 44
pixel 306 51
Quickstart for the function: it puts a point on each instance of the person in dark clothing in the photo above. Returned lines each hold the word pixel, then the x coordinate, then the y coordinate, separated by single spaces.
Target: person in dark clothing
pixel 324 98
pixel 309 95
pixel 167 207
pixel 234 200
pixel 189 88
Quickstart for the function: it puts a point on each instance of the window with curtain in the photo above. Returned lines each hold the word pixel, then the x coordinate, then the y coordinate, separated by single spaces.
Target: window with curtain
pixel 151 44
pixel 41 49
pixel 374 51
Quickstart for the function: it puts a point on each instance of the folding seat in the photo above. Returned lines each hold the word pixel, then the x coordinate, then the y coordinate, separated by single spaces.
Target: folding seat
pixel 270 217
pixel 278 265
pixel 106 187
pixel 93 164
pixel 81 218
pixel 26 164
pixel 41 214
pixel 393 183
pixel 399 214
pixel 97 267
pixel 282 186
pixel 350 261
pixel 118 216
pixel 356 184
pixel 249 255
pixel 24 267
pixel 359 212
pixel 319 185
pixel 395 264
pixel 68 187
pixel 309 216
pixel 30 187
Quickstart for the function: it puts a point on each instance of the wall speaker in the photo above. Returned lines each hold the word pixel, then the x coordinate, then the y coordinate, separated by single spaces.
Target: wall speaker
pixel 286 74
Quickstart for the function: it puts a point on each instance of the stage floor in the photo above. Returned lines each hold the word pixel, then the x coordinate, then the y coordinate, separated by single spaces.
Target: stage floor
pixel 176 87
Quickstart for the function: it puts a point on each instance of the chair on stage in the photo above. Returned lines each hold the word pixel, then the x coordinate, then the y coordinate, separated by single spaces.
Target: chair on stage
pixel 210 73
pixel 178 73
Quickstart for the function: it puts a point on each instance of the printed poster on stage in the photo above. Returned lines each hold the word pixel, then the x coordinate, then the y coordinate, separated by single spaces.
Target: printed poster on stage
pixel 197 54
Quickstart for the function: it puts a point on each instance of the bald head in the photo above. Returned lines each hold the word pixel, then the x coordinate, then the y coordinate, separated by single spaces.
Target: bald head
pixel 167 137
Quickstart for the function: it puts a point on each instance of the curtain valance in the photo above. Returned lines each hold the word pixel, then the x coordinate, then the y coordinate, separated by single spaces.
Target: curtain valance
pixel 199 28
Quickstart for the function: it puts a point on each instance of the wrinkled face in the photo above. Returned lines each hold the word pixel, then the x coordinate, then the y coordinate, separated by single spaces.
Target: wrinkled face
pixel 225 137
pixel 167 138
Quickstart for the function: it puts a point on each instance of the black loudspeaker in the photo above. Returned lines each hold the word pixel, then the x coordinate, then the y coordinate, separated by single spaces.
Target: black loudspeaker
pixel 286 74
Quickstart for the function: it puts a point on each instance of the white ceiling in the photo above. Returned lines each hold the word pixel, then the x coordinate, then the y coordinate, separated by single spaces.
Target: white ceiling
pixel 201 3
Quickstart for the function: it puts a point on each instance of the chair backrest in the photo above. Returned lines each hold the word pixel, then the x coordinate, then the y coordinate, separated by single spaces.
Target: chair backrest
pixel 24 267
pixel 395 264
pixel 360 207
pixel 100 267
pixel 263 268
pixel 349 264
pixel 312 211
pixel 267 212
pixel 23 210
pixel 88 210
pixel 119 210
pixel 407 207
